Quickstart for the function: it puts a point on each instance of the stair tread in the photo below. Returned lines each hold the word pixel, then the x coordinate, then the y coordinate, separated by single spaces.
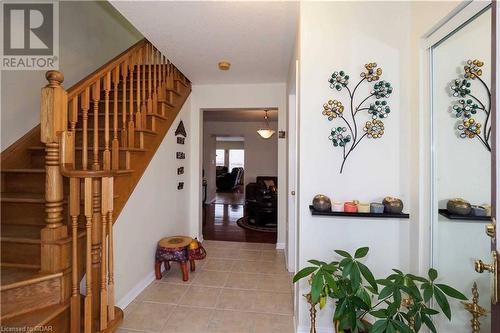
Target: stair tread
pixel 34 170
pixel 12 231
pixel 23 197
pixel 37 317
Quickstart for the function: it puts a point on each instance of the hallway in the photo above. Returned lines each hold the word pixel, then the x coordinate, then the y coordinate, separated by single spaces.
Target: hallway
pixel 238 288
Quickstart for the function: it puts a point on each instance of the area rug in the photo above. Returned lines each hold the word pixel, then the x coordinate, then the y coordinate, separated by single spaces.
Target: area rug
pixel 245 223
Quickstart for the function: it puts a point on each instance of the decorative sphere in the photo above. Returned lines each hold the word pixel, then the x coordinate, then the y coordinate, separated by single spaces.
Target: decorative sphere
pixel 392 205
pixel 459 206
pixel 322 203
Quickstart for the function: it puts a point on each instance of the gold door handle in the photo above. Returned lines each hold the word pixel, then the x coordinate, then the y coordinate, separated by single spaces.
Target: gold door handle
pixel 481 267
pixel 491 228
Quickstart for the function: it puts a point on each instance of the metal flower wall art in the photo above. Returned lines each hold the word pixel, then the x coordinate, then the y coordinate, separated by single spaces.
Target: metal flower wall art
pixel 469 105
pixel 346 135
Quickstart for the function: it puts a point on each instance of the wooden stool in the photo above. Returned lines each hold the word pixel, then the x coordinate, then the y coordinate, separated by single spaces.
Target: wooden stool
pixel 174 248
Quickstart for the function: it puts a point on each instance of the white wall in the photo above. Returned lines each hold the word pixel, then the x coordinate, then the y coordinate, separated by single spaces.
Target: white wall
pixel 272 95
pixel 91 33
pixel 344 35
pixel 155 209
pixel 261 155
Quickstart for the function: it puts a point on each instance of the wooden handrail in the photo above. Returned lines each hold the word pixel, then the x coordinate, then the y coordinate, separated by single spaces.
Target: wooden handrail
pixel 78 87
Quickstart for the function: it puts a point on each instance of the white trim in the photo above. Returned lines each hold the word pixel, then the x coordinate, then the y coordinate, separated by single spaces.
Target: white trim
pixel 497 114
pixel 280 246
pixel 136 290
pixel 306 329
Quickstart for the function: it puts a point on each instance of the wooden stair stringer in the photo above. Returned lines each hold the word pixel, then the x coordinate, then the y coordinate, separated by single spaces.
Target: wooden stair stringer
pixel 126 185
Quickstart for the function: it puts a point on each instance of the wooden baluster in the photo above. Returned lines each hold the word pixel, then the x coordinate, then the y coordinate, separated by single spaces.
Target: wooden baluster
pixel 150 93
pixel 68 148
pixel 96 247
pixel 85 104
pixel 96 95
pixel 87 325
pixel 143 90
pixel 111 279
pixel 74 212
pixel 131 135
pixel 54 120
pixel 103 318
pixel 138 115
pixel 106 159
pixel 115 145
pixel 124 103
pixel 155 91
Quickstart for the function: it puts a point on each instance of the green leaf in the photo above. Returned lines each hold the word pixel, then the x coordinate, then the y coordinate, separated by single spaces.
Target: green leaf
pixel 347 269
pixel 379 326
pixel 390 328
pixel 428 322
pixel 443 302
pixel 430 311
pixel 384 282
pixel 433 274
pixel 416 278
pixel 330 268
pixel 303 273
pixel 367 274
pixel 397 271
pixel 316 262
pixel 452 292
pixel 402 327
pixel 316 287
pixel 428 292
pixel 361 293
pixel 355 276
pixel 343 254
pixel 361 252
pixel 330 281
pixel 382 313
pixel 386 291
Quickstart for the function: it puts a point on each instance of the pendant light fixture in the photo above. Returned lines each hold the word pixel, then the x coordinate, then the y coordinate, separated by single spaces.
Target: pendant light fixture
pixel 267 132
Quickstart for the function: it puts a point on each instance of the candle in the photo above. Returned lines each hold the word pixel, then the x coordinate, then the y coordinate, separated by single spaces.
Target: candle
pixel 376 207
pixel 363 207
pixel 337 206
pixel 350 207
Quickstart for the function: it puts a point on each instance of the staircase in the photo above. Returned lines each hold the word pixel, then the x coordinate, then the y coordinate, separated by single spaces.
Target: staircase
pixel 66 181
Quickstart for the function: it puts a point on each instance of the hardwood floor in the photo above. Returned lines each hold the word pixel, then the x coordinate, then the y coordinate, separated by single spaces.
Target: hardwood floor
pixel 219 223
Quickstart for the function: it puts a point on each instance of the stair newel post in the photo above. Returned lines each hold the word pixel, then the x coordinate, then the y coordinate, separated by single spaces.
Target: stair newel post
pixel 85 104
pixel 111 279
pixel 88 255
pixel 96 96
pixel 130 129
pixel 106 158
pixel 115 145
pixel 103 317
pixel 155 88
pixel 138 115
pixel 74 212
pixel 143 88
pixel 54 115
pixel 124 103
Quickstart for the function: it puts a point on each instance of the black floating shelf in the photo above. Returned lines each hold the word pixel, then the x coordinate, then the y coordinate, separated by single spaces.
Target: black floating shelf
pixel 448 215
pixel 367 215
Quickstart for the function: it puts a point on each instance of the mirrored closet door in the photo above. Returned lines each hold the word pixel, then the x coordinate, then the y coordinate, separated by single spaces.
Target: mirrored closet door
pixel 461 164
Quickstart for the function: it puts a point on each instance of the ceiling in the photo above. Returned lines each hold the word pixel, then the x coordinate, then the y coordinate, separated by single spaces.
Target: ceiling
pixel 239 115
pixel 256 37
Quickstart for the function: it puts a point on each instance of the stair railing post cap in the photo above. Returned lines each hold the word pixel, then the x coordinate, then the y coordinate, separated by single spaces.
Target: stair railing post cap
pixel 54 77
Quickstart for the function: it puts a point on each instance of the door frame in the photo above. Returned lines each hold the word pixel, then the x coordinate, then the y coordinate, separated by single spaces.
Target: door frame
pixel 495 170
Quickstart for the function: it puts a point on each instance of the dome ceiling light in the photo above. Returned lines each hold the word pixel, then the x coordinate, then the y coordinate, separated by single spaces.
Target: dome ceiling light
pixel 267 132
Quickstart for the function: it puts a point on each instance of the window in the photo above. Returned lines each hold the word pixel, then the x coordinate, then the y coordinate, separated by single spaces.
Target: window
pixel 220 157
pixel 236 158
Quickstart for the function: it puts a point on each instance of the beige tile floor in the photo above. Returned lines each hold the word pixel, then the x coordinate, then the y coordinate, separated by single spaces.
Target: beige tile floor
pixel 238 288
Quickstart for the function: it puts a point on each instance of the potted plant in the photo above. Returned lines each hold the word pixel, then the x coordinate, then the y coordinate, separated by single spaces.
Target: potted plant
pixel 398 303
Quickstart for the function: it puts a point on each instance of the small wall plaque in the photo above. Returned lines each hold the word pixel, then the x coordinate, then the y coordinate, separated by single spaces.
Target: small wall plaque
pixel 180 186
pixel 281 134
pixel 180 170
pixel 181 130
pixel 180 140
pixel 180 155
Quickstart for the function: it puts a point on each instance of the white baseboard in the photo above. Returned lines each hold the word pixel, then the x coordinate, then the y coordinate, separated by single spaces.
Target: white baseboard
pixel 136 290
pixel 307 329
pixel 280 246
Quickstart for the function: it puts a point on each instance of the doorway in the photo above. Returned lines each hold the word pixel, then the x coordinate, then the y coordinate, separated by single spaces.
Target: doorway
pixel 240 170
